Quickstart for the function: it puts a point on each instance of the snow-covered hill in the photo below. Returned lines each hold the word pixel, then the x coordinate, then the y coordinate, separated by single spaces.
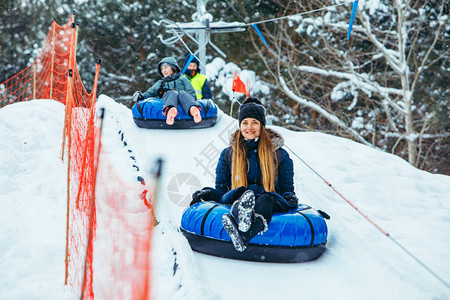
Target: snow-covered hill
pixel 413 206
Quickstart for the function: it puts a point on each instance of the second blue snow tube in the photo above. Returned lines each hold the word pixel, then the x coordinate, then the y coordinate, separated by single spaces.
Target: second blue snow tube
pixel 297 236
pixel 148 113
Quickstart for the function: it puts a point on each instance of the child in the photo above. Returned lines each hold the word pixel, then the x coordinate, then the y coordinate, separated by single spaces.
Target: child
pixel 174 89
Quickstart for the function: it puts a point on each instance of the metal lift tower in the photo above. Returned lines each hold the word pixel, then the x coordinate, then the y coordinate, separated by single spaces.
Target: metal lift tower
pixel 200 31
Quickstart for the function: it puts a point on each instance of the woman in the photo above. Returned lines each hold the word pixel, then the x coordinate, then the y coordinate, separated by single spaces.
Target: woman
pixel 254 175
pixel 174 89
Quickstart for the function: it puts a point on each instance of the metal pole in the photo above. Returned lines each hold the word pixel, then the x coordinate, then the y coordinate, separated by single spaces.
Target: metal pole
pixel 201 37
pixel 201 34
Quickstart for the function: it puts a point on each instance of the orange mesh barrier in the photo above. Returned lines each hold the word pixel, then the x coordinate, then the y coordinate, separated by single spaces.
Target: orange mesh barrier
pixel 61 81
pixel 122 246
pixel 96 264
pixel 118 265
pixel 81 212
pixel 46 77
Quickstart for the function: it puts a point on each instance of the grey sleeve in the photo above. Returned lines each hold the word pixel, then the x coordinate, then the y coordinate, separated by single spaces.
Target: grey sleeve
pixel 153 91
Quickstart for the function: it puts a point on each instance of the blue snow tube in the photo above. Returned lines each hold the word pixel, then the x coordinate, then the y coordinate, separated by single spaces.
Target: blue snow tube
pixel 148 113
pixel 297 236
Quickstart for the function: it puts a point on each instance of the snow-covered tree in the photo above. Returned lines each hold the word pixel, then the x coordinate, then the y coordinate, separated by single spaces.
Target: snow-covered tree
pixel 123 35
pixel 374 86
pixel 23 28
pixel 386 86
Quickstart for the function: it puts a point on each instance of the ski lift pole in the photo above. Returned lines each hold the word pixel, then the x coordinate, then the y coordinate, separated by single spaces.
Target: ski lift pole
pixel 156 173
pixel 446 284
pixel 233 99
pixel 201 36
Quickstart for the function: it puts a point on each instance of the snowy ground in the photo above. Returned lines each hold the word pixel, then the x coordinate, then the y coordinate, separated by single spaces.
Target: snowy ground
pixel 360 263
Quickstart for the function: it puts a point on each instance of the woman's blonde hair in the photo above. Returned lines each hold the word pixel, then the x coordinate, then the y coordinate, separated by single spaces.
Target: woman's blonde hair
pixel 267 158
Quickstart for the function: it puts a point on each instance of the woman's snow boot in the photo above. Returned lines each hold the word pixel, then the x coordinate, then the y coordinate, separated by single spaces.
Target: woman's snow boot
pixel 242 239
pixel 231 227
pixel 242 210
pixel 259 224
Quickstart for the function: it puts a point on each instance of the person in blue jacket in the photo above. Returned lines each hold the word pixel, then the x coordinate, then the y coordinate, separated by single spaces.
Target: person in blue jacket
pixel 254 175
pixel 173 89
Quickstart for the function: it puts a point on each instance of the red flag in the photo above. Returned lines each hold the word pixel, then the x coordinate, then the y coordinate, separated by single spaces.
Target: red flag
pixel 238 85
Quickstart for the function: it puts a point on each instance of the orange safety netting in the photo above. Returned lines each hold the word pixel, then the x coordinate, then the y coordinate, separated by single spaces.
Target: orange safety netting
pixel 118 266
pixel 81 210
pixel 122 246
pixel 54 75
pixel 46 77
pixel 79 138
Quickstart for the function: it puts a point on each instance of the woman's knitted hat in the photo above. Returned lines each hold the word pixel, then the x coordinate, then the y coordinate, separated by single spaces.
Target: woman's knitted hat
pixel 252 108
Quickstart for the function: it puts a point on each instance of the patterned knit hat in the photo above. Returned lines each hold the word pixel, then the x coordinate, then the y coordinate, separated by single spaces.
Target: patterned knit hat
pixel 252 108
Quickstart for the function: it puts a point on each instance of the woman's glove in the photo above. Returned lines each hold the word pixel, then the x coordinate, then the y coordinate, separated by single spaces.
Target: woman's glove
pixel 200 195
pixel 292 200
pixel 137 96
pixel 238 192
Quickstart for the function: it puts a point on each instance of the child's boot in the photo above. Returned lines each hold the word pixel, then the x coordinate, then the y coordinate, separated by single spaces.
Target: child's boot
pixel 195 113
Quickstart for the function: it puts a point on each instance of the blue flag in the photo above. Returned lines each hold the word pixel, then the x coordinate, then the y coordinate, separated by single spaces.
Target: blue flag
pixel 352 19
pixel 260 34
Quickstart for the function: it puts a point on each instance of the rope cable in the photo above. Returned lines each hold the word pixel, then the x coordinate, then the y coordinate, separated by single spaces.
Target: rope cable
pixel 203 63
pixel 415 258
pixel 131 56
pixel 299 14
pixel 304 162
pixel 253 24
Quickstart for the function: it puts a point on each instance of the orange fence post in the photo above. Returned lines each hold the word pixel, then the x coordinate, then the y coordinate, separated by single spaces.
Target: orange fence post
pixel 53 59
pixel 68 130
pixel 68 118
pixel 34 81
pixel 70 82
pixel 75 43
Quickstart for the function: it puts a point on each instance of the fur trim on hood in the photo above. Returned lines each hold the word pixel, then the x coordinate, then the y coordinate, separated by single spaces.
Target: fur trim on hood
pixel 277 139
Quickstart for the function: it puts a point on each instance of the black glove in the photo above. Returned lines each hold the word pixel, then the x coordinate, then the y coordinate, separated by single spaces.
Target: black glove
pixel 292 200
pixel 238 192
pixel 137 96
pixel 200 195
